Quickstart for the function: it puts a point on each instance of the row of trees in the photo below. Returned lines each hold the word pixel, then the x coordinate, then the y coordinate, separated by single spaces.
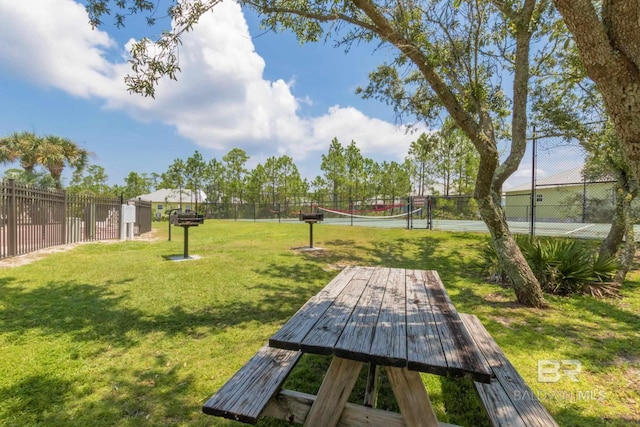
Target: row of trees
pixel 440 159
pixel 346 174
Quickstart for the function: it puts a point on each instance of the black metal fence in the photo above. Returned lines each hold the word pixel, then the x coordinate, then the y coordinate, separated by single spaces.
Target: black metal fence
pixel 558 210
pixel 143 216
pixel 367 209
pixel 401 210
pixel 33 218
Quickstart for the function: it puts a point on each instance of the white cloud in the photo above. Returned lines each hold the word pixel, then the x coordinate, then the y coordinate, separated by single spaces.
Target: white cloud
pixel 51 43
pixel 372 136
pixel 221 99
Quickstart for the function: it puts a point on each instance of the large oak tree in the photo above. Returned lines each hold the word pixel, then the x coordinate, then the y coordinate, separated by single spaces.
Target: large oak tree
pixel 450 58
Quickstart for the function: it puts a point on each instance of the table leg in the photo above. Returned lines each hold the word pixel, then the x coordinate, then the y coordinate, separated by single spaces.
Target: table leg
pixel 371 392
pixel 412 397
pixel 334 393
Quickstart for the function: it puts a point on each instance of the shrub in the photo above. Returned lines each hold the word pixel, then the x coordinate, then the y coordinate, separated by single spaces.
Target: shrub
pixel 562 266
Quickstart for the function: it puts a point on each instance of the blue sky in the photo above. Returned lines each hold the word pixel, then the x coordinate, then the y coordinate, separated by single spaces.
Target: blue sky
pixel 239 87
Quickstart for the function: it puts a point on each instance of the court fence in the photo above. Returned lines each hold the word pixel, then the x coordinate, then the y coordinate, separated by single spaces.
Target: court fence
pixel 583 209
pixel 407 212
pixel 34 218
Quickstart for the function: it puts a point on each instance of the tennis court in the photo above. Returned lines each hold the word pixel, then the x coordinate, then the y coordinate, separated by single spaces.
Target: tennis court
pixel 558 229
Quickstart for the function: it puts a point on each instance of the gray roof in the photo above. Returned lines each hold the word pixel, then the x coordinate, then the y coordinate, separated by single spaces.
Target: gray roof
pixel 571 176
pixel 167 195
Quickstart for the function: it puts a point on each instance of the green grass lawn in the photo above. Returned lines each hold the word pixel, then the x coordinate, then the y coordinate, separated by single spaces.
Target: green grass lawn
pixel 116 334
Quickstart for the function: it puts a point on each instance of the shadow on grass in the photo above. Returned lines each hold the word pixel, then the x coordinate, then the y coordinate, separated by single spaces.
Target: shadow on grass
pixel 571 417
pixel 98 313
pixel 427 252
pixel 35 399
pixel 156 396
pixel 82 311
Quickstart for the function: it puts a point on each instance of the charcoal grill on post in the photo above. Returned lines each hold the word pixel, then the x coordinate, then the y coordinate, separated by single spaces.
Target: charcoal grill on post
pixel 310 218
pixel 186 220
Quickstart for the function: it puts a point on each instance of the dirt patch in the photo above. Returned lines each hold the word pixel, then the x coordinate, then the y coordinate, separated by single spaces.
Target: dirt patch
pixel 628 359
pixel 504 321
pixel 496 297
pixel 25 259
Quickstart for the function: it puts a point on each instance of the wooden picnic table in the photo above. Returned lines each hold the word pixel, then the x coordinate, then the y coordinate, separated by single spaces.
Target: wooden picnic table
pixel 399 319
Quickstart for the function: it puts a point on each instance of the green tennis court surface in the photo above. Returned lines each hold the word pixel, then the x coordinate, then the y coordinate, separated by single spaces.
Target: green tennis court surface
pixel 559 229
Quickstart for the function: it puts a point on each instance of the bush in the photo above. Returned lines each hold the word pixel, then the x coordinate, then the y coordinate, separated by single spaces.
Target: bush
pixel 562 266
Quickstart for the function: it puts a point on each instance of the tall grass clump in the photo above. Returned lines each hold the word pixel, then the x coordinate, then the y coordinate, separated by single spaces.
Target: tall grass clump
pixel 562 266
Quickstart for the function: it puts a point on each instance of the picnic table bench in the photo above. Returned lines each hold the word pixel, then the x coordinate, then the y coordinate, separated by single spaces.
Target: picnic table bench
pixel 398 319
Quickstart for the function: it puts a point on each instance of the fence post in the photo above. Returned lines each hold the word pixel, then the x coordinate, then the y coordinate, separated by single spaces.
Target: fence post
pixel 65 220
pixel 12 220
pixel 584 198
pixel 120 219
pixel 532 220
pixel 138 206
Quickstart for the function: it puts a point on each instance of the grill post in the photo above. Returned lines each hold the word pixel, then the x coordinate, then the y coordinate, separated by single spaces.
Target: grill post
pixel 186 242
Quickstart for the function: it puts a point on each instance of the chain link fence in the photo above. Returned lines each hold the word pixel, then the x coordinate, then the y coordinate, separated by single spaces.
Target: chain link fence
pixel 562 198
pixel 558 199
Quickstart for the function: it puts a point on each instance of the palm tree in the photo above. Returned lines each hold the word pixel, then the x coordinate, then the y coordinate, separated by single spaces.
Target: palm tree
pixel 56 152
pixel 20 146
pixel 52 152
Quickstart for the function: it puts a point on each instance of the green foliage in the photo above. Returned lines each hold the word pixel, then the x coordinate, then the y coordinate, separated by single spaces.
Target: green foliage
pixel 35 179
pixel 562 266
pixel 51 153
pixel 446 156
pixel 92 181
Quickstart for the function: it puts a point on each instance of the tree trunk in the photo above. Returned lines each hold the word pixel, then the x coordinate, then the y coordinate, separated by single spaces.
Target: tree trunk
pixel 622 227
pixel 628 255
pixel 610 52
pixel 614 239
pixel 524 282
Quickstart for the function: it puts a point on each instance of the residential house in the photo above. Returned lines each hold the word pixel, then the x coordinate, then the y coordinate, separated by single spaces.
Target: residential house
pixel 164 200
pixel 564 197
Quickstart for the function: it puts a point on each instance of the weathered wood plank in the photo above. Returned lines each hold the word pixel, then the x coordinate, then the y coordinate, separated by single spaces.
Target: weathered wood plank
pixel 389 345
pixel 508 390
pixel 322 338
pixel 293 406
pixel 357 335
pixel 333 393
pixel 424 350
pixel 461 352
pixel 412 397
pixel 245 395
pixel 293 332
pixel 498 406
